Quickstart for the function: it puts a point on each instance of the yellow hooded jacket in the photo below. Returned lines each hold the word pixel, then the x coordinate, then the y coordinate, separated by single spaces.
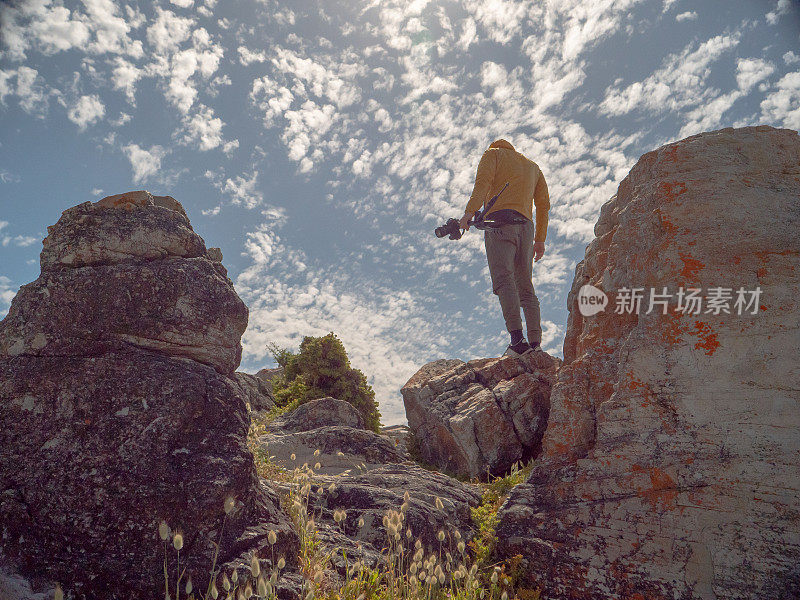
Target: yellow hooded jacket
pixel 526 185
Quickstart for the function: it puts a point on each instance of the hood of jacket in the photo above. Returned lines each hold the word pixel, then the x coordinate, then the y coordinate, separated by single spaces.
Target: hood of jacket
pixel 501 144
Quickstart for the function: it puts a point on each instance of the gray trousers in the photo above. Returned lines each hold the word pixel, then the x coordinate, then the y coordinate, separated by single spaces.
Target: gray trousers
pixel 509 250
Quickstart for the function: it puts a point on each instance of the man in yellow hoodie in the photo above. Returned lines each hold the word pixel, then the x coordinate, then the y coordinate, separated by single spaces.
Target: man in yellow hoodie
pixel 512 242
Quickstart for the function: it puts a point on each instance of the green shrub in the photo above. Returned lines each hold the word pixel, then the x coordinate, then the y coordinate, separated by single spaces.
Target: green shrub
pixel 321 369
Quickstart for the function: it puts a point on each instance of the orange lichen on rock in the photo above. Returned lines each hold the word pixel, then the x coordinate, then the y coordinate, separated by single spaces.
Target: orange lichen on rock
pixel 707 336
pixel 690 267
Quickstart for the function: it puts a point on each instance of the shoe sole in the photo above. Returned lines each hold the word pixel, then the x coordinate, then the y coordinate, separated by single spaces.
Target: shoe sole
pixel 510 352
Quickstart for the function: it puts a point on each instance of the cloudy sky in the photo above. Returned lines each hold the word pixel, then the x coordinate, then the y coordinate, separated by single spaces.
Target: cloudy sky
pixel 319 143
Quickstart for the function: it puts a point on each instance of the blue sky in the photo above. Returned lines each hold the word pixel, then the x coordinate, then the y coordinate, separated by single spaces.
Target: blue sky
pixel 319 143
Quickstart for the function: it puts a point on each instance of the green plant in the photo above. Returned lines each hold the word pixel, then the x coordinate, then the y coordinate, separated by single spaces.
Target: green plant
pixel 321 368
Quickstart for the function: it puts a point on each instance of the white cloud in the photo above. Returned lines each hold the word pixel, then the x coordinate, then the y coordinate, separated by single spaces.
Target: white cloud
pixel 679 83
pixel 3 224
pixel 669 4
pixel 229 147
pixel 47 28
pixel 124 76
pixel 781 9
pixel 686 16
pixel 247 56
pixel 203 128
pixel 168 31
pixel 145 163
pixel 31 92
pixel 182 3
pixel 783 104
pixel 5 84
pixel 19 240
pixel 7 293
pixel 110 30
pixel 179 67
pixel 791 58
pixel 86 111
pixel 242 189
pixel 750 71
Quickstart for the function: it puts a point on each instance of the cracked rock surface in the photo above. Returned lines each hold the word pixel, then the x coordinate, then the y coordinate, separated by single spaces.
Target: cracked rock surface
pixel 120 408
pixel 482 416
pixel 669 468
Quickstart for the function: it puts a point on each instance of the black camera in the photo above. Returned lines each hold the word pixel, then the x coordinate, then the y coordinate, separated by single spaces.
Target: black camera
pixel 453 228
pixel 450 228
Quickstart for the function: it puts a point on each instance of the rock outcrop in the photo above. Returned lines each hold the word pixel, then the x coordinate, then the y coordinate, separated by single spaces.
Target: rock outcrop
pixel 119 409
pixel 256 391
pixel 329 432
pixel 482 416
pixel 322 412
pixel 669 468
pixel 371 494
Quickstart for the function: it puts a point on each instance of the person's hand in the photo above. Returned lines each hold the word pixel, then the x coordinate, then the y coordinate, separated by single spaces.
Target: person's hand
pixel 538 250
pixel 464 222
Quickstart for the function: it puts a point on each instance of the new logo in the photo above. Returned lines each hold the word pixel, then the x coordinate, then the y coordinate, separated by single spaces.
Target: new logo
pixel 591 300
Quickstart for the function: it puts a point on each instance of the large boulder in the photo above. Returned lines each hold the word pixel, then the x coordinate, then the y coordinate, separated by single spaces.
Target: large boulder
pixel 137 275
pixel 480 417
pixel 669 468
pixel 321 412
pixel 336 448
pixel 367 497
pixel 119 410
pixel 256 392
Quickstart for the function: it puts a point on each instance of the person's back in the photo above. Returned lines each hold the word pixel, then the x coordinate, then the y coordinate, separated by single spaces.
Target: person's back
pixel 512 242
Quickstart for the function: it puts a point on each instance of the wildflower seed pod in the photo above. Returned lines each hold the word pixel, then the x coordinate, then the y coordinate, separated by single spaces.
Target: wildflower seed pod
pixel 262 587
pixel 235 576
pixel 439 503
pixel 504 595
pixel 226 583
pixel 248 591
pixel 493 578
pixel 406 496
pixel 473 570
pixel 189 586
pixel 229 504
pixel 163 530
pixel 316 452
pixel 317 466
pixel 440 535
pixel 255 566
pixel 58 593
pixel 408 533
pixel 272 537
pixel 462 547
pixel 177 541
pixel 418 544
pixel 457 534
pixel 361 522
pixel 281 562
pixel 293 456
pixel 214 590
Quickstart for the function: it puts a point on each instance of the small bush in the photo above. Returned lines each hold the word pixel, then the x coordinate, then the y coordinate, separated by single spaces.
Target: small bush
pixel 321 369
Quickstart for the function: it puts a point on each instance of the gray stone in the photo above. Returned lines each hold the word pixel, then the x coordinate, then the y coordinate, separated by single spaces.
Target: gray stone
pixel 479 418
pixel 669 468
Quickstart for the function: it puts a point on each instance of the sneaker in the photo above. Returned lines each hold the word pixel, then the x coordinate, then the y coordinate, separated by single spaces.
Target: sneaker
pixel 536 347
pixel 518 349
